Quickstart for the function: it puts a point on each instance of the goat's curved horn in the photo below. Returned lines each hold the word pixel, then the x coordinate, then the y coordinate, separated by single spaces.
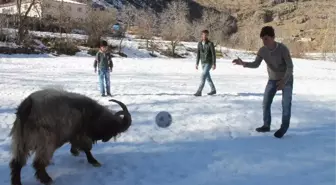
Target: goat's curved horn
pixel 119 113
pixel 127 120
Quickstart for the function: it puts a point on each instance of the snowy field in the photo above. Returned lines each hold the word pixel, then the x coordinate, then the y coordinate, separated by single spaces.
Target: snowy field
pixel 212 139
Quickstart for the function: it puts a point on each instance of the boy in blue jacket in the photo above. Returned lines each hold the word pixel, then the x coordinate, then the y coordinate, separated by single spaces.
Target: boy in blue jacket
pixel 104 63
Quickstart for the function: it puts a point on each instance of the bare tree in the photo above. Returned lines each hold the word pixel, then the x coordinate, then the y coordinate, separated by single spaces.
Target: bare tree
pixel 218 23
pixel 146 22
pixel 127 15
pixel 63 16
pixel 22 16
pixel 98 23
pixel 174 25
pixel 3 24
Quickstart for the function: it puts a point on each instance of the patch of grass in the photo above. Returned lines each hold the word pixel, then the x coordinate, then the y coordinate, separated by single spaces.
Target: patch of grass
pixel 219 54
pixel 169 53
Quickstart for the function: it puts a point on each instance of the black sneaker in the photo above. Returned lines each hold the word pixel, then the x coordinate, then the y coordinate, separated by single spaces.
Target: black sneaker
pixel 279 133
pixel 103 95
pixel 109 94
pixel 212 93
pixel 198 94
pixel 263 129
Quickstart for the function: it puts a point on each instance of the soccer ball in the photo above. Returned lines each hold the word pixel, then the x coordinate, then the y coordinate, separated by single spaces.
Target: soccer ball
pixel 163 119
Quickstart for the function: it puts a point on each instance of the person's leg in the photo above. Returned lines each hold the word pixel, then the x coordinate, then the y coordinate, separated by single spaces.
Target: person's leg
pixel 209 80
pixel 101 82
pixel 287 93
pixel 269 94
pixel 205 72
pixel 107 81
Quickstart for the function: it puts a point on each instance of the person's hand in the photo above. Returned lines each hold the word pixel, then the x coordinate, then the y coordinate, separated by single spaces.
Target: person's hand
pixel 280 84
pixel 214 67
pixel 238 61
pixel 95 70
pixel 110 69
pixel 196 67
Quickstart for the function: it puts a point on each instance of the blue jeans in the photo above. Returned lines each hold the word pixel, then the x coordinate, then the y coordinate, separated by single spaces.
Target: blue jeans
pixel 269 94
pixel 206 76
pixel 104 75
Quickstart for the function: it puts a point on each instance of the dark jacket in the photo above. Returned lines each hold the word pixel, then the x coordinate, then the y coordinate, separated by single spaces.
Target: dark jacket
pixel 206 54
pixel 103 61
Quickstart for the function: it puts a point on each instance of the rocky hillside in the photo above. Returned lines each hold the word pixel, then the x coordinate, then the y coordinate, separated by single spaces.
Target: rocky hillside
pixel 305 25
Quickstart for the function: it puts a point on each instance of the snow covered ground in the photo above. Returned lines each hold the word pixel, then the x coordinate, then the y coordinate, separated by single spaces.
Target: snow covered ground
pixel 212 139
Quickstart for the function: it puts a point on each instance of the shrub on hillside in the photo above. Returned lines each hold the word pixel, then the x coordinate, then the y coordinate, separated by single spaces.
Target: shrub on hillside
pixel 66 47
pixel 169 53
pixel 3 37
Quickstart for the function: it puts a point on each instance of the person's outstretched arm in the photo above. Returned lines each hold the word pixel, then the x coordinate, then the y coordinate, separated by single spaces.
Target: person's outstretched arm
pixel 255 64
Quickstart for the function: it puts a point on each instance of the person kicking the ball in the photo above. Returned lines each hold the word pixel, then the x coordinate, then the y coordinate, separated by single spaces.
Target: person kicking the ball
pixel 206 53
pixel 104 62
pixel 280 73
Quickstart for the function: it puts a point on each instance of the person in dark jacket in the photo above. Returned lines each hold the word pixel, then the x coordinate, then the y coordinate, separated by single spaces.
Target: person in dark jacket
pixel 206 53
pixel 104 63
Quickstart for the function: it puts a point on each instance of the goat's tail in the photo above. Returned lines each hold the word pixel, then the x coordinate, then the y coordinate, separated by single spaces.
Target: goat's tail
pixel 19 148
pixel 19 152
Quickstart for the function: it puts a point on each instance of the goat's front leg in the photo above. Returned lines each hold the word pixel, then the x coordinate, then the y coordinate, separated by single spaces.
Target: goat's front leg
pixel 74 150
pixel 85 144
pixel 91 159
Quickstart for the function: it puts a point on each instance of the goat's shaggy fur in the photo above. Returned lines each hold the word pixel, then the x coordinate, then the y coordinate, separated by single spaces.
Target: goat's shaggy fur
pixel 49 118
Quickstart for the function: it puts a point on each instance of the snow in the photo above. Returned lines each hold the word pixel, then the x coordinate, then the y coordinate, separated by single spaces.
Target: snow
pixel 70 1
pixel 212 138
pixel 8 44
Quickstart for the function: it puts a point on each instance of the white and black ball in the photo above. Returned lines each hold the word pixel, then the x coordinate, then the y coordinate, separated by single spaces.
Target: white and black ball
pixel 163 119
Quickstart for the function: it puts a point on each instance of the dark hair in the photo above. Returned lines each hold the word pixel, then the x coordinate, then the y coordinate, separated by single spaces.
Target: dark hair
pixel 103 43
pixel 205 31
pixel 267 31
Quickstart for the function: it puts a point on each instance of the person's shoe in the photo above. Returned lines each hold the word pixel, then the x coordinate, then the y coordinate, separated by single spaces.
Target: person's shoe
pixel 279 133
pixel 198 94
pixel 103 95
pixel 263 129
pixel 212 93
pixel 109 94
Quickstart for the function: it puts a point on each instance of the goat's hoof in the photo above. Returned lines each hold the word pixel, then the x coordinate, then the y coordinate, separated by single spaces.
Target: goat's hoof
pixel 47 181
pixel 44 178
pixel 74 152
pixel 16 183
pixel 96 164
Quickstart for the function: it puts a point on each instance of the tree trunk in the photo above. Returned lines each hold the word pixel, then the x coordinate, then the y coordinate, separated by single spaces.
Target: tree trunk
pixel 120 44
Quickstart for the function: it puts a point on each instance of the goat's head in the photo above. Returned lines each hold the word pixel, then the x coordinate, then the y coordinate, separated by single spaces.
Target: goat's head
pixel 110 124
